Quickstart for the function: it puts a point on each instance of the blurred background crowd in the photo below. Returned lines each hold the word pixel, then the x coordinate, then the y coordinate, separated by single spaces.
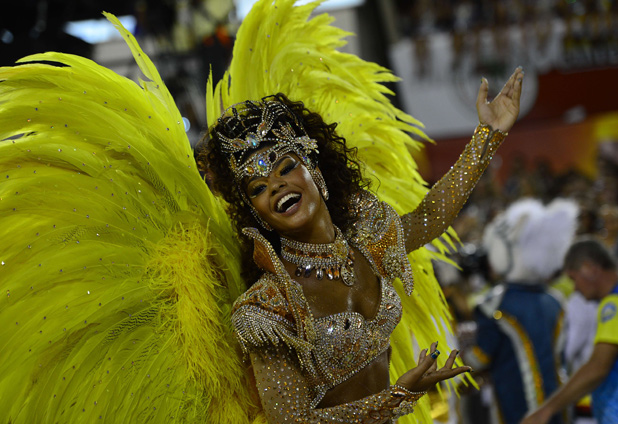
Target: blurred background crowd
pixel 565 145
pixel 589 38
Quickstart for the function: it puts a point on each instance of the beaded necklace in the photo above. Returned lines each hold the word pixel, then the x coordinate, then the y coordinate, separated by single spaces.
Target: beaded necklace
pixel 334 260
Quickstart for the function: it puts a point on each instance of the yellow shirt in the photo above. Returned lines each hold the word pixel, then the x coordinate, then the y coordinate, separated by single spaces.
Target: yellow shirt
pixel 605 397
pixel 607 320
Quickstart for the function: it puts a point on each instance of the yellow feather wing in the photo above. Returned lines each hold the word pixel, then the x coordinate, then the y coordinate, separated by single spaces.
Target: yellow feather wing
pixel 118 265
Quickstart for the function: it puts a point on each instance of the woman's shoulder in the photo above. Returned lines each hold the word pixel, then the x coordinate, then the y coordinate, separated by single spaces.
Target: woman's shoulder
pixel 378 233
pixel 263 297
pixel 264 302
pixel 263 316
pixel 374 218
pixel 363 201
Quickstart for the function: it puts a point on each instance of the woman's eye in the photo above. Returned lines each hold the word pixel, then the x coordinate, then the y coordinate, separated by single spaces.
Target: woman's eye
pixel 289 166
pixel 256 190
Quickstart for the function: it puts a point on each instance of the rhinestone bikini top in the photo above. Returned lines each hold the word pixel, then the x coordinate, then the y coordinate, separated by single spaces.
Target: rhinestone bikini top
pixel 346 342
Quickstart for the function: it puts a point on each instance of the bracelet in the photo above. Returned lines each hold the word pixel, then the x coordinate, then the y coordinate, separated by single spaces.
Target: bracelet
pixel 414 395
pixel 492 130
pixel 490 140
pixel 408 400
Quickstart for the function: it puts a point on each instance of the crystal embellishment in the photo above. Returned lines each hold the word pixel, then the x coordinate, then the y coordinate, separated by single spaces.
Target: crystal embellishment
pixel 335 261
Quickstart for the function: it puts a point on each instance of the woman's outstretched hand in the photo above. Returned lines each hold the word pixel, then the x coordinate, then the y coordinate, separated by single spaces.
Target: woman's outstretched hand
pixel 426 374
pixel 502 111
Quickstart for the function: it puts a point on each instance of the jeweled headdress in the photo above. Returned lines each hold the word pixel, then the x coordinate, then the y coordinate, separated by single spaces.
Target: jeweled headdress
pixel 270 127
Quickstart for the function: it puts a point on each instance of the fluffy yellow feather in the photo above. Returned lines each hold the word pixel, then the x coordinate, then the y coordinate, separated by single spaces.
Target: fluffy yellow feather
pixel 119 266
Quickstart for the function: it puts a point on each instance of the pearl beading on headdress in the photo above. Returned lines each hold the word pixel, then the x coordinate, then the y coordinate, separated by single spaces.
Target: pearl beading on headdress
pixel 284 138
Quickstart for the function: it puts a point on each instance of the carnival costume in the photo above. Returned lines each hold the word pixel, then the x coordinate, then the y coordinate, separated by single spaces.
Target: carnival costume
pixel 120 268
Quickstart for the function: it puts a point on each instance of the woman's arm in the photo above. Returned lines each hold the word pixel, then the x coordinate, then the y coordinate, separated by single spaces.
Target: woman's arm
pixel 286 397
pixel 443 202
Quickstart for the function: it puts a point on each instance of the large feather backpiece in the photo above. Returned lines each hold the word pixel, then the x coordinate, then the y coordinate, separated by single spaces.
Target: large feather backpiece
pixel 119 267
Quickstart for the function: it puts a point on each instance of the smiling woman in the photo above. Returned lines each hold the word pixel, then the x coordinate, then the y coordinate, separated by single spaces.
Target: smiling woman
pixel 319 342
pixel 287 199
pixel 337 178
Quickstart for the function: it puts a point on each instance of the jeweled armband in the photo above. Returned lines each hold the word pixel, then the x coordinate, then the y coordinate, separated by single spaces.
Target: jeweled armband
pixel 402 402
pixel 408 399
pixel 487 140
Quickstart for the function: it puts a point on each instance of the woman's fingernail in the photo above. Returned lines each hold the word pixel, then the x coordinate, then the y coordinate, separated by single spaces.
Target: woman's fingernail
pixel 457 354
pixel 470 370
pixel 435 354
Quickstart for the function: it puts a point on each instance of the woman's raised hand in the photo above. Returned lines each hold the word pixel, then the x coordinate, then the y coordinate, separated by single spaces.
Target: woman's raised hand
pixel 426 375
pixel 502 111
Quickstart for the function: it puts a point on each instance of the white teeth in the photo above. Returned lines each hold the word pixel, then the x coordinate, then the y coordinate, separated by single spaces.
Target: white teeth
pixel 285 199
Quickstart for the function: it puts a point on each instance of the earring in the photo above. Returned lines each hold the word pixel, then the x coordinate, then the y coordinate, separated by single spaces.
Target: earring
pixel 318 179
pixel 325 193
pixel 253 211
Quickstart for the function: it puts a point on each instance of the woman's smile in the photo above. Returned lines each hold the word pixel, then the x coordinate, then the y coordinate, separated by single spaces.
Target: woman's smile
pixel 288 203
pixel 288 199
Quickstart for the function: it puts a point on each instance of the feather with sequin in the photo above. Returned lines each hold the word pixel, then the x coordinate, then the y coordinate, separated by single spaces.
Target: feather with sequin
pixel 118 266
pixel 288 50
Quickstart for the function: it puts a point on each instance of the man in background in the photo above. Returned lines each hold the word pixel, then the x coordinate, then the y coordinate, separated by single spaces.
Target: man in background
pixel 593 271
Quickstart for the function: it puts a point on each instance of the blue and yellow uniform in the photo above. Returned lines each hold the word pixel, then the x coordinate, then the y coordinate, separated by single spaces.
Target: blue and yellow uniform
pixel 518 341
pixel 605 397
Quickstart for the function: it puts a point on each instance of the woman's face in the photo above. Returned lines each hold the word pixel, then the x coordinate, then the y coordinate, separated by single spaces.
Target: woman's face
pixel 287 199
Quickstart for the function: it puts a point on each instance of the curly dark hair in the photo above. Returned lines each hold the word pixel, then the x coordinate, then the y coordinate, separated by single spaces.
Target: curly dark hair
pixel 338 163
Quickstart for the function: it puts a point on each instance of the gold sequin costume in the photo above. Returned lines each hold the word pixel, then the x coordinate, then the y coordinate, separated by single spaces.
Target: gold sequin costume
pixel 298 358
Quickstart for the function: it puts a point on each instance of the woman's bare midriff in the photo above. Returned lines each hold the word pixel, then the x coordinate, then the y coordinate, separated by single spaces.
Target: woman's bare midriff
pixel 370 380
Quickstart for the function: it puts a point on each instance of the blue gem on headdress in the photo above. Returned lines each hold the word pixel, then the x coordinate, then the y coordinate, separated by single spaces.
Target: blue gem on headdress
pixel 261 163
pixel 252 140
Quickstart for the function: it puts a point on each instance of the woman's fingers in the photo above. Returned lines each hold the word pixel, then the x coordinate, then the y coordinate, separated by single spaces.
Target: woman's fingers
pixel 427 361
pixel 425 374
pixel 422 356
pixel 481 98
pixel 445 374
pixel 507 86
pixel 451 359
pixel 414 377
pixel 510 87
pixel 517 86
pixel 513 83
